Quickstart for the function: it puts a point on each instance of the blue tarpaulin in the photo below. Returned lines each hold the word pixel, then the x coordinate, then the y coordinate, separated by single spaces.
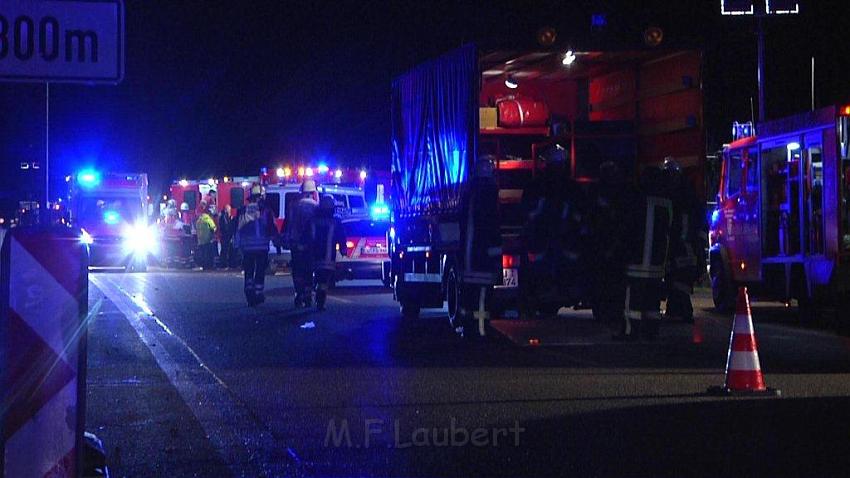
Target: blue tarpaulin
pixel 435 130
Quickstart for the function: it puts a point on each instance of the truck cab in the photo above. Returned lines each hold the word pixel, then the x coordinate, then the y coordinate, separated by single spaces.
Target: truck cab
pixel 781 221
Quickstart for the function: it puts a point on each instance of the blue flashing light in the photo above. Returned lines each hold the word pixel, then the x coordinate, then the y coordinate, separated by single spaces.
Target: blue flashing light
pixel 598 20
pixel 88 178
pixel 111 218
pixel 380 211
pixel 715 217
pixel 323 169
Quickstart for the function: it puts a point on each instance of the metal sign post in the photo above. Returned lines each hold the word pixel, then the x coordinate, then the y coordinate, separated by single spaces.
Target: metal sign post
pixel 43 342
pixel 58 41
pixel 760 9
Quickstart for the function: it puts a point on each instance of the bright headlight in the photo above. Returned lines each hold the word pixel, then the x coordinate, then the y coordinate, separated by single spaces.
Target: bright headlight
pixel 85 238
pixel 140 239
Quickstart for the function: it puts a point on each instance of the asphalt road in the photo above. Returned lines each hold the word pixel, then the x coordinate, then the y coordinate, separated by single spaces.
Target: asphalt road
pixel 185 380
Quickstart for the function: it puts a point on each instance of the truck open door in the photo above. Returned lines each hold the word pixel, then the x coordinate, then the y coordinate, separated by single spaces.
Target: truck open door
pixel 736 246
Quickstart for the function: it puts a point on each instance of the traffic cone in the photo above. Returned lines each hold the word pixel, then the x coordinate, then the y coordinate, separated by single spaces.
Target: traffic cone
pixel 743 370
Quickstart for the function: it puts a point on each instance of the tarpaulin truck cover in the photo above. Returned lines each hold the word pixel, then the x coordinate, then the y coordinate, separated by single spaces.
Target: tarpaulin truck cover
pixel 434 133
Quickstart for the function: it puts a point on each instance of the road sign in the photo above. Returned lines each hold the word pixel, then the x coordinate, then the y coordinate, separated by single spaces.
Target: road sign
pixel 62 41
pixel 759 7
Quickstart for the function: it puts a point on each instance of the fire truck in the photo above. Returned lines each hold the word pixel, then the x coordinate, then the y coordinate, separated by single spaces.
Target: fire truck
pixel 782 223
pixel 111 210
pixel 522 109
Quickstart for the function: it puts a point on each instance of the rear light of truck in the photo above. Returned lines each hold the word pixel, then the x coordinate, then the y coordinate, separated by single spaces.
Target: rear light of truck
pixel 509 261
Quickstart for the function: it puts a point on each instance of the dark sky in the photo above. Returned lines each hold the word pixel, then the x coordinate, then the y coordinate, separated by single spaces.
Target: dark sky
pixel 225 87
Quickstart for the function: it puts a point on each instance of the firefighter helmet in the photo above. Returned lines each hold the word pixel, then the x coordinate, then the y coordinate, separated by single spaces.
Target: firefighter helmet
pixel 184 206
pixel 256 191
pixel 308 186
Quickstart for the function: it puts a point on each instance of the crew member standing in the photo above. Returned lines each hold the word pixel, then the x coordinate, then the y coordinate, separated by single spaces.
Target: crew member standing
pixel 688 240
pixel 227 228
pixel 608 243
pixel 255 228
pixel 205 228
pixel 298 238
pixel 327 236
pixel 649 220
pixel 482 240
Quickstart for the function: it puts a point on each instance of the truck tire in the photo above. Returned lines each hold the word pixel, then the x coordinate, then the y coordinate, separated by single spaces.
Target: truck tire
pixel 409 310
pixel 722 288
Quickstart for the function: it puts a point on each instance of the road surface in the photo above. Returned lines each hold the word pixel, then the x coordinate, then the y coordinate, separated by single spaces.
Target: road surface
pixel 185 380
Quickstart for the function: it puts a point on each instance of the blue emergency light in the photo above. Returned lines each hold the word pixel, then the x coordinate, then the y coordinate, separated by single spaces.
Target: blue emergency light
pixel 88 178
pixel 742 130
pixel 380 211
pixel 111 217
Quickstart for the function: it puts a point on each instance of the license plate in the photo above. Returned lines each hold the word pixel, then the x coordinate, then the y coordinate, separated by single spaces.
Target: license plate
pixel 510 278
pixel 375 250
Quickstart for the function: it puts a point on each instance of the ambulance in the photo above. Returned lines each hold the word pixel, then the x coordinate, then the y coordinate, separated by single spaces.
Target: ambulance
pixel 112 212
pixel 282 188
pixel 782 221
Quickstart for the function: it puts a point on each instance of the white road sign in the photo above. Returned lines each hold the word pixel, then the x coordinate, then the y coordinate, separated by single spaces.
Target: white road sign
pixel 62 41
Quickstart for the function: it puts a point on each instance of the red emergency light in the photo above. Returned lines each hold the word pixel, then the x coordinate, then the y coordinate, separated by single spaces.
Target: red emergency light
pixel 844 110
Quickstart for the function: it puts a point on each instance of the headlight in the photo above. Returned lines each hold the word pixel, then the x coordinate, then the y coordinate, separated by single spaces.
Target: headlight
pixel 85 238
pixel 140 239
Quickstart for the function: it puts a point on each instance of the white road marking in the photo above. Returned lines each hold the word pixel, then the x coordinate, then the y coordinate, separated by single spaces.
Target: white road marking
pixel 244 443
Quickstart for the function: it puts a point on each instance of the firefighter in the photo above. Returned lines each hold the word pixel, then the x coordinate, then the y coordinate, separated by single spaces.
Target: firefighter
pixel 298 239
pixel 227 228
pixel 326 237
pixel 205 227
pixel 608 242
pixel 481 239
pixel 648 222
pixel 688 240
pixel 255 228
pixel 549 215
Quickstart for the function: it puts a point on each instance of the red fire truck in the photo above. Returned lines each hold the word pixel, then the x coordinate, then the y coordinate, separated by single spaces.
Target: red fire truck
pixel 782 223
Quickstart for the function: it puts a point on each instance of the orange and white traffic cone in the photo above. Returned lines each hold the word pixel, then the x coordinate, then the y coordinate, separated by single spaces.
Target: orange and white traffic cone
pixel 743 370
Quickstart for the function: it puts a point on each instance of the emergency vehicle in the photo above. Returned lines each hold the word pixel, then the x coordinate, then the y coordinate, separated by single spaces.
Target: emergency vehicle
pixel 366 241
pixel 521 109
pixel 782 222
pixel 283 187
pixel 111 210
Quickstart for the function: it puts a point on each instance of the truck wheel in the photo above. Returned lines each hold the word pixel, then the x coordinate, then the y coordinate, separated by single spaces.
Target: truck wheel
pixel 722 289
pixel 409 310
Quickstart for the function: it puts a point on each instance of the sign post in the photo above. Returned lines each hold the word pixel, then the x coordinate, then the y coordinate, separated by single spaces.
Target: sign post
pixel 58 41
pixel 44 271
pixel 760 9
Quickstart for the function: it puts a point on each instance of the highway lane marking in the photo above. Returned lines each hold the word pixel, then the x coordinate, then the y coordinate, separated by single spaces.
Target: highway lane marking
pixel 340 299
pixel 247 450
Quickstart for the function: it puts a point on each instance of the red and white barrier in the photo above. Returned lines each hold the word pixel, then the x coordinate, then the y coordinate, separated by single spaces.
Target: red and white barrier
pixel 44 285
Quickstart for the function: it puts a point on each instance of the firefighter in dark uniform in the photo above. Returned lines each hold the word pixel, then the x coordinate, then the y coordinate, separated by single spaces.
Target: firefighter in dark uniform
pixel 688 240
pixel 482 241
pixel 649 219
pixel 326 236
pixel 547 204
pixel 254 229
pixel 608 244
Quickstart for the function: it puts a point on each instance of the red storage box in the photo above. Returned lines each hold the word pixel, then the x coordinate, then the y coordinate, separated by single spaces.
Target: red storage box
pixel 516 111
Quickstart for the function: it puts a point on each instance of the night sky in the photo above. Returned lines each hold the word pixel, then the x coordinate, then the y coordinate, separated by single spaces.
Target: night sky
pixel 226 87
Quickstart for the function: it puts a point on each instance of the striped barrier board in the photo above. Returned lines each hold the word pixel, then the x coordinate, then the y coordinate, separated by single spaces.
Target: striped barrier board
pixel 44 289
